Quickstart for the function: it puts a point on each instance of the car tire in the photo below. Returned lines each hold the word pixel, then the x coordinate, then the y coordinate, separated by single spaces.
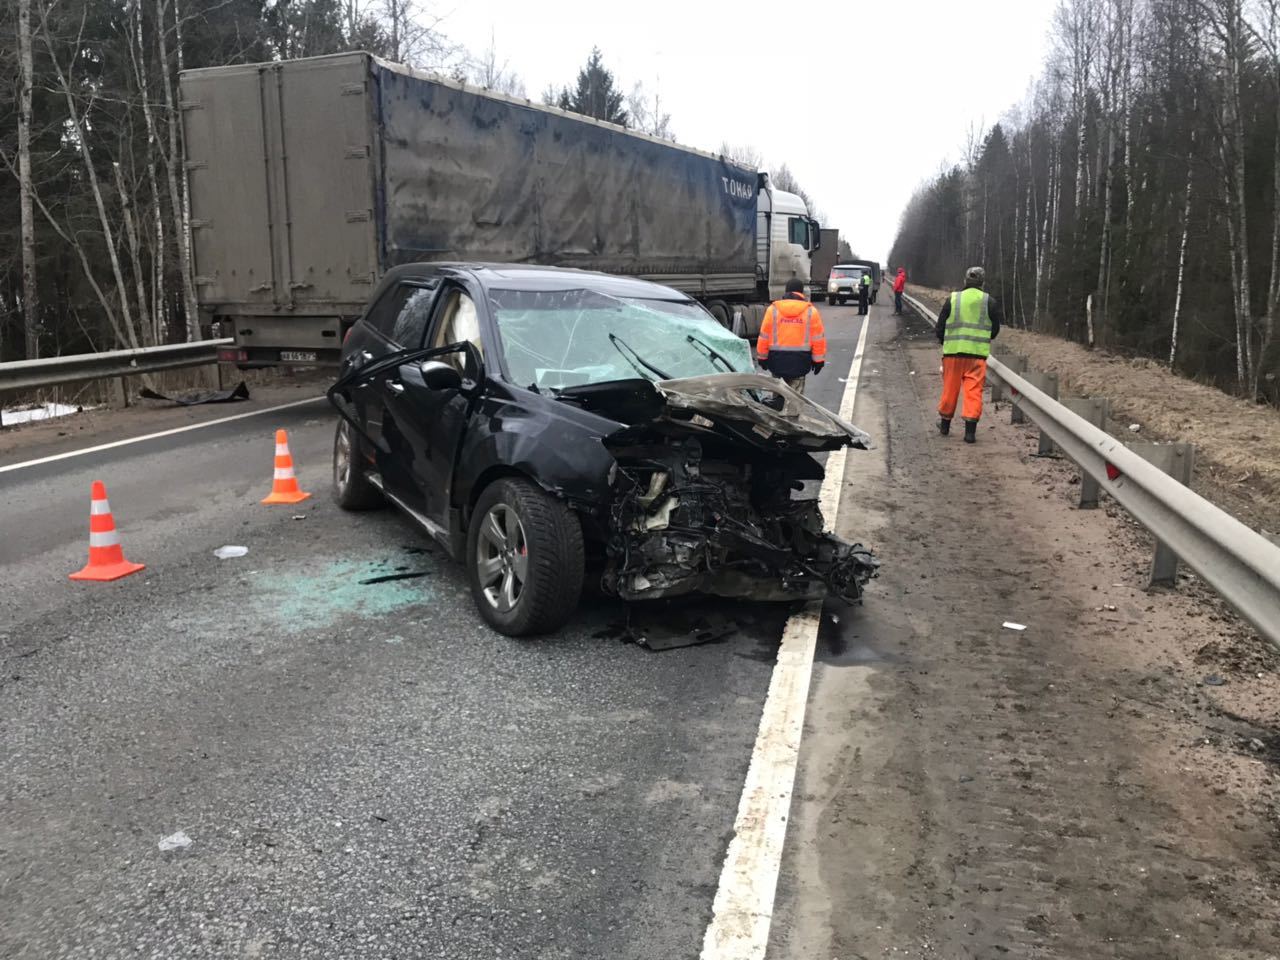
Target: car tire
pixel 514 519
pixel 351 487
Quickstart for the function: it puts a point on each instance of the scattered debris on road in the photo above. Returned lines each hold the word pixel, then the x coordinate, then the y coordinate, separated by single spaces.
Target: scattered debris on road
pixel 388 577
pixel 175 841
pixel 230 552
pixel 671 626
pixel 1010 625
pixel 237 393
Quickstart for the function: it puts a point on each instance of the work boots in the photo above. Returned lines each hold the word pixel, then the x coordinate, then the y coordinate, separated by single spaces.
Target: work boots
pixel 971 431
pixel 944 426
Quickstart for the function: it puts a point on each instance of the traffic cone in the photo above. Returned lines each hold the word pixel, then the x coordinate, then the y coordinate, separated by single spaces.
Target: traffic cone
pixel 284 485
pixel 106 558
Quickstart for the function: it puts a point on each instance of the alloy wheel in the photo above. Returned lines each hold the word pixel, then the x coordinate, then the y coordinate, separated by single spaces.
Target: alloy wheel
pixel 502 557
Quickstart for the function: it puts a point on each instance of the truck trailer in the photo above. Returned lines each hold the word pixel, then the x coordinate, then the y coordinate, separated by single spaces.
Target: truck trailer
pixel 310 178
pixel 824 258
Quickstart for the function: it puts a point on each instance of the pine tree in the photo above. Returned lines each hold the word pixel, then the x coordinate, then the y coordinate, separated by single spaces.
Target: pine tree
pixel 595 94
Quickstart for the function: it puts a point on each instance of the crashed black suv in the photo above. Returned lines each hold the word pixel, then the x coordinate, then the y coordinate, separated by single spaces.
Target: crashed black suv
pixel 543 423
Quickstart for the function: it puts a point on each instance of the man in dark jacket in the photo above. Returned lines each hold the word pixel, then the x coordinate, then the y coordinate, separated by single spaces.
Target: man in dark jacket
pixel 967 323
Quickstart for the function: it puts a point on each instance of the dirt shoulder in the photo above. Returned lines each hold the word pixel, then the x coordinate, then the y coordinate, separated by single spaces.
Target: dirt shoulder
pixel 1102 784
pixel 1237 442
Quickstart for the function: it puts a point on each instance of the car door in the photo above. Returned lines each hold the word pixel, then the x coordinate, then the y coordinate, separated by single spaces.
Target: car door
pixel 408 332
pixel 380 334
pixel 430 421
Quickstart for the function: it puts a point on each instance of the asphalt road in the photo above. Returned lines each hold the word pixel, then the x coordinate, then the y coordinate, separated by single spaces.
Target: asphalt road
pixel 364 770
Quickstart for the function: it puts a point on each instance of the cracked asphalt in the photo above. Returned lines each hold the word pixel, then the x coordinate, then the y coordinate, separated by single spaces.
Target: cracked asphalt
pixel 364 770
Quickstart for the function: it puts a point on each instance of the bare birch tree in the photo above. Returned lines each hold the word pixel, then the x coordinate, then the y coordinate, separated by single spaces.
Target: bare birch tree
pixel 30 289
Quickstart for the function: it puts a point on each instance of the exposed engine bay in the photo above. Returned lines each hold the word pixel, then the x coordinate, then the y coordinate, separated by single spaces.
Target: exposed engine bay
pixel 724 519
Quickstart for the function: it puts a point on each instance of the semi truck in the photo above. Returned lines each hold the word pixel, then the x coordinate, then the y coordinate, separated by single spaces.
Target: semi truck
pixel 824 258
pixel 310 178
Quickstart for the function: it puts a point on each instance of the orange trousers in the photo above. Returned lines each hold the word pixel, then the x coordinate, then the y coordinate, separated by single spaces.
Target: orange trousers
pixel 969 373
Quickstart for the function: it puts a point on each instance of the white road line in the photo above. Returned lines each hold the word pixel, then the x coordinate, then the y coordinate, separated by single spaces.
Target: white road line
pixel 154 436
pixel 743 907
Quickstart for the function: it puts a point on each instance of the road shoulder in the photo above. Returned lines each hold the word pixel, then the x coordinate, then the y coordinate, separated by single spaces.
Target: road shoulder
pixel 970 790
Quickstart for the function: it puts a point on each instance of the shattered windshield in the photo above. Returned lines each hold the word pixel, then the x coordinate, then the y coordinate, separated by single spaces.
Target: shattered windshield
pixel 553 339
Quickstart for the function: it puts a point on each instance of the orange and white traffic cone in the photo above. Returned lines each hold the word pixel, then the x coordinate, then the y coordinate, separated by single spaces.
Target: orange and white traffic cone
pixel 284 485
pixel 106 558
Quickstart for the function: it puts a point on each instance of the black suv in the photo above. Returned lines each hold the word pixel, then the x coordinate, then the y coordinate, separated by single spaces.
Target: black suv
pixel 529 418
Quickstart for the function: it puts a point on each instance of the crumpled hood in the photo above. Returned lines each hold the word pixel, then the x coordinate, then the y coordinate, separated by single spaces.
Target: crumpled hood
pixel 741 402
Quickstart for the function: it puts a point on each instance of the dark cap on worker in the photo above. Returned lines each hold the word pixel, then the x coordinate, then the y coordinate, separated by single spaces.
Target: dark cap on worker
pixel 795 285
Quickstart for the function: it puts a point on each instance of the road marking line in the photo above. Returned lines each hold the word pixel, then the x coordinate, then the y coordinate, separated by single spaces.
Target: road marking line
pixel 154 436
pixel 743 908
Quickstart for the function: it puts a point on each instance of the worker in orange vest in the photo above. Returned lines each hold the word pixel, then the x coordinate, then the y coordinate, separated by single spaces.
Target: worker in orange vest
pixel 792 342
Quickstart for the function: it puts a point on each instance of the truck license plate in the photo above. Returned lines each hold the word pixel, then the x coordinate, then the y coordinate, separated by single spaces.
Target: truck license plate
pixel 298 356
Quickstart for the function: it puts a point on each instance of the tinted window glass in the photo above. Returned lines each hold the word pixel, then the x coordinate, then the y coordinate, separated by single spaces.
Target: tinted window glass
pixel 382 316
pixel 411 323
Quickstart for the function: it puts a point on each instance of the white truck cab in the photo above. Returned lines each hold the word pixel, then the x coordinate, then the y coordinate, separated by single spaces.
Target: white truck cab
pixel 786 237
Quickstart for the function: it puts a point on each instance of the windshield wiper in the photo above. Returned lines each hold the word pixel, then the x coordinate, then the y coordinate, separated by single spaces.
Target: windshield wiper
pixel 635 358
pixel 712 353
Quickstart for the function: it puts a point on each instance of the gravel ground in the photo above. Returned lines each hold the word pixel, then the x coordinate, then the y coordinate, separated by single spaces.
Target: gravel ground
pixel 1080 789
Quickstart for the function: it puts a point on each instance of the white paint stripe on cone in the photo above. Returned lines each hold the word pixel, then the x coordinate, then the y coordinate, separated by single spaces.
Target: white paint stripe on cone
pixel 743 908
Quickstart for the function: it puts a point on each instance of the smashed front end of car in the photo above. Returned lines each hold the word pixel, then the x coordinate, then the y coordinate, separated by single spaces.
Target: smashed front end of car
pixel 715 491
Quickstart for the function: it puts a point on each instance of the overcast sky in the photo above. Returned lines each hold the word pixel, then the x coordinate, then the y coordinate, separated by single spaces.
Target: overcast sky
pixel 862 100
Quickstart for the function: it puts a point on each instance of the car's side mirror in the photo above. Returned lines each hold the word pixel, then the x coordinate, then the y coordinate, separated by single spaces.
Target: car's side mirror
pixel 438 375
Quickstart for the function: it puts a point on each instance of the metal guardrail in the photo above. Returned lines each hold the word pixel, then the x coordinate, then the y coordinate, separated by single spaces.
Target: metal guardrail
pixel 1239 563
pixel 52 371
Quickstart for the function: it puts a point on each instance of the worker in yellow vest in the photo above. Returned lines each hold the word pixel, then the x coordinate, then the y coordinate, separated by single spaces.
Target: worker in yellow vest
pixel 967 323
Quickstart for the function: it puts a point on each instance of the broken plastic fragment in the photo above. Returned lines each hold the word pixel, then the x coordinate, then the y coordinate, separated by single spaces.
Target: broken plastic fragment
pixel 1135 427
pixel 226 553
pixel 175 841
pixel 1010 625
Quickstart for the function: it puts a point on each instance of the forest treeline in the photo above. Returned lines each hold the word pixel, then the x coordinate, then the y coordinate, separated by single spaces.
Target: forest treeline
pixel 94 215
pixel 1131 202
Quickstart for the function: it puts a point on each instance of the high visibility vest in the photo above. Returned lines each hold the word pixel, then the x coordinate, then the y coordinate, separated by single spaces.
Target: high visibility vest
pixel 969 326
pixel 789 333
pixel 866 279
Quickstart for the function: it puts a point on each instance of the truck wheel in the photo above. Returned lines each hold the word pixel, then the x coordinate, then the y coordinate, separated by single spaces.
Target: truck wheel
pixel 524 559
pixel 351 487
pixel 720 310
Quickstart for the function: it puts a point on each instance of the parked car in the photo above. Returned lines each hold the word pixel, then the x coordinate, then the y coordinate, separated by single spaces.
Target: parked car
pixel 843 283
pixel 529 418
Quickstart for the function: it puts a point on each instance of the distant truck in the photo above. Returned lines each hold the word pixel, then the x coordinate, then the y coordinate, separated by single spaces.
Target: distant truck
pixel 311 178
pixel 824 258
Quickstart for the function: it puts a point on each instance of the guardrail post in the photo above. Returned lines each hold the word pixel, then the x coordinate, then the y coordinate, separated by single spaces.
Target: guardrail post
pixel 1017 364
pixel 1046 383
pixel 1178 461
pixel 1096 410
pixel 1003 353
